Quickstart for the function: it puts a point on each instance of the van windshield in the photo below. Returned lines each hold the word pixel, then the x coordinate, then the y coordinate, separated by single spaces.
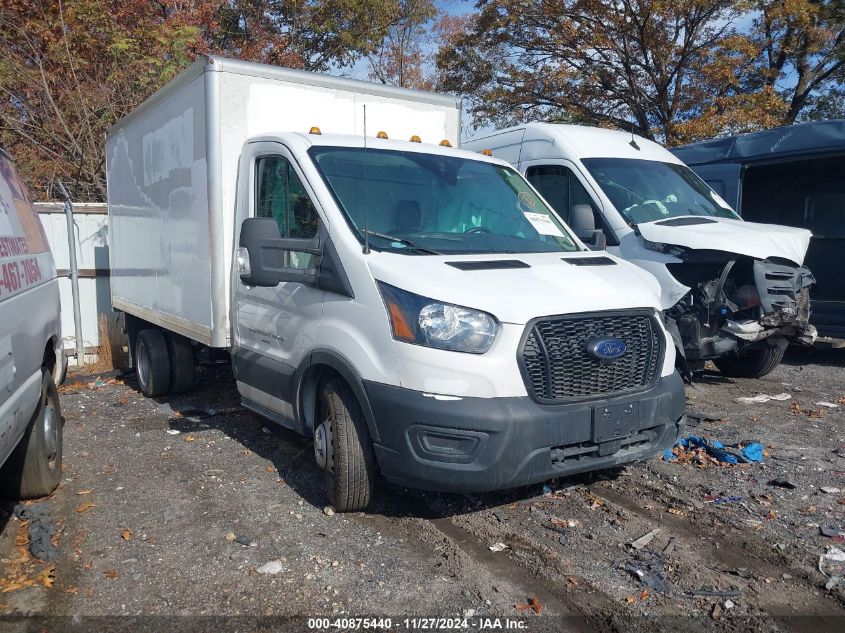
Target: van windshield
pixel 418 203
pixel 648 190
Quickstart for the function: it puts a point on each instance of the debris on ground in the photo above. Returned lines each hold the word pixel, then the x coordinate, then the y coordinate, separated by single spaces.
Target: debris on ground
pixel 717 499
pixel 832 562
pixel 42 531
pixel 245 540
pixel 271 568
pixel 832 531
pixel 709 592
pixel 648 569
pixel 328 511
pixel 830 490
pixel 702 450
pixel 827 405
pixel 498 547
pixel 645 539
pixel 782 482
pixel 533 604
pixel 763 398
pixel 716 613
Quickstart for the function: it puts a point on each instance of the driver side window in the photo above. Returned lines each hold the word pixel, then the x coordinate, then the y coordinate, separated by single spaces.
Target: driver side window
pixel 562 189
pixel 279 194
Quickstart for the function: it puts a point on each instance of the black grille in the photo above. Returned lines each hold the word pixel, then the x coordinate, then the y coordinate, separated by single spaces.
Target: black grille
pixel 557 367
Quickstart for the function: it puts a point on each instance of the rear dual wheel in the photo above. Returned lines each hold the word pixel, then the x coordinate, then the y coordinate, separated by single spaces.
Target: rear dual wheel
pixel 164 363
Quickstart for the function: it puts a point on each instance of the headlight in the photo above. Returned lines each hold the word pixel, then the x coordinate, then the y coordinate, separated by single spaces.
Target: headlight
pixel 423 321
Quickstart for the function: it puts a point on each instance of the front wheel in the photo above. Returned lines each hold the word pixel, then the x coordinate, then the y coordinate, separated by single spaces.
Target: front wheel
pixel 752 363
pixel 343 448
pixel 35 466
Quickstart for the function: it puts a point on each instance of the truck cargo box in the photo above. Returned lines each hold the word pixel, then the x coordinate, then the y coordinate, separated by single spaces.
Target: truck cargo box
pixel 171 168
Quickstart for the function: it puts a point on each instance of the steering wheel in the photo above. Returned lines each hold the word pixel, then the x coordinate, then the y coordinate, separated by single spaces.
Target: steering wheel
pixel 477 229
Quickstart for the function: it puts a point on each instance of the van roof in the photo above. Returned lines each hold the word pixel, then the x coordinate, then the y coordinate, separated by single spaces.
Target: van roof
pixel 582 141
pixel 816 137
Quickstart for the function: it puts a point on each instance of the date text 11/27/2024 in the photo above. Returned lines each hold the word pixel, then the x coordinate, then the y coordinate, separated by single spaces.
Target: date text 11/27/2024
pixel 419 624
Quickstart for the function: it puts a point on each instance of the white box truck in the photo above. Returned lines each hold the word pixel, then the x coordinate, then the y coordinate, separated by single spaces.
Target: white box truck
pixel 733 292
pixel 417 309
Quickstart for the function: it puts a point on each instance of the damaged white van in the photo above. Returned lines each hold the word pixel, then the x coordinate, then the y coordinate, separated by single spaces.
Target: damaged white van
pixel 416 309
pixel 733 292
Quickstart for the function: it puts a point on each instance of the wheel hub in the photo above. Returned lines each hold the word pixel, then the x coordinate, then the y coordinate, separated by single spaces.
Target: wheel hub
pixel 323 445
pixel 142 365
pixel 51 431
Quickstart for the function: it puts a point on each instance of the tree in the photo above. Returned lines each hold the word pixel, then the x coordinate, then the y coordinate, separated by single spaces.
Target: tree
pixel 675 70
pixel 400 59
pixel 314 35
pixel 803 46
pixel 71 68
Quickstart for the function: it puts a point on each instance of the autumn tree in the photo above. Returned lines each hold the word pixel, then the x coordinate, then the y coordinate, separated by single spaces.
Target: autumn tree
pixel 71 68
pixel 803 54
pixel 671 70
pixel 401 58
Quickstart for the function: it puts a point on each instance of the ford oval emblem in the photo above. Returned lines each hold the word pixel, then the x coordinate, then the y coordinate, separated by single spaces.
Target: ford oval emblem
pixel 606 349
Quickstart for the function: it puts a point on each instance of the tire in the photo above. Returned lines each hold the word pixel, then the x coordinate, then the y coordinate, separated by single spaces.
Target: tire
pixel 34 468
pixel 350 463
pixel 152 363
pixel 181 363
pixel 753 363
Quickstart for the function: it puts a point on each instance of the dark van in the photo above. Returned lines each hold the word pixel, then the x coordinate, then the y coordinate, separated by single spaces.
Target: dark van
pixel 791 175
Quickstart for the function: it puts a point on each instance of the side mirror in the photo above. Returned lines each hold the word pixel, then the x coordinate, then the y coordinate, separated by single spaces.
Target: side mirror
pixel 263 254
pixel 583 222
pixel 595 239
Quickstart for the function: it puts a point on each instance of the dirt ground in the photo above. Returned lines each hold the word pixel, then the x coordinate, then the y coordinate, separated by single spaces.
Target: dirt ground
pixel 170 511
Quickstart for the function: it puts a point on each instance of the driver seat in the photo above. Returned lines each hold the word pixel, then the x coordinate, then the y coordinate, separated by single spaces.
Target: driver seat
pixel 406 217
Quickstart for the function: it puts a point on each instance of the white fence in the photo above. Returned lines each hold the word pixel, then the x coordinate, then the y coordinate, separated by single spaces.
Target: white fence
pixel 92 256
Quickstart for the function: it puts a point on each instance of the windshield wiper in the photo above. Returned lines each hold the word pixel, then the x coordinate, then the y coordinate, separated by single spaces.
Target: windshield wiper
pixel 402 240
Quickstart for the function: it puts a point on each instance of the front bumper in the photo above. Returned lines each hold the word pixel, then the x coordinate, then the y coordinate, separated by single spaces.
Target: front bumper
pixel 485 444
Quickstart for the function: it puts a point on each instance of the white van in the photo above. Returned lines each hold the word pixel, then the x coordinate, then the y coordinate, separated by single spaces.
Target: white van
pixel 31 352
pixel 417 309
pixel 733 292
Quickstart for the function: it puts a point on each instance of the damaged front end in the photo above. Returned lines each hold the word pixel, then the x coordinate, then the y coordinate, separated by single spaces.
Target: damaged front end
pixel 737 307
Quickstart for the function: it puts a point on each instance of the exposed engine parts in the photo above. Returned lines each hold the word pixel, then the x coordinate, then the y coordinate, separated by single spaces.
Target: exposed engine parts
pixel 738 307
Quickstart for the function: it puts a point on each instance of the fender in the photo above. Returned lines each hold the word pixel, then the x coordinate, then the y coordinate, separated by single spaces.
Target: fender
pixel 344 368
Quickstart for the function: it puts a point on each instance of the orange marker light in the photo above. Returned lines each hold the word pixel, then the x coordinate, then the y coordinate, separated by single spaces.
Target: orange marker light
pixel 487 152
pixel 401 328
pixel 415 139
pixel 381 134
pixel 445 143
pixel 314 130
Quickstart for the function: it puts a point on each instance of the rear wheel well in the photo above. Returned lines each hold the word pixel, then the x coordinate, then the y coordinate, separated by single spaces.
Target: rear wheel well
pixel 49 360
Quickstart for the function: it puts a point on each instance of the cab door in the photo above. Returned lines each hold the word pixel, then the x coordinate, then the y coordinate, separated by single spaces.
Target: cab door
pixel 274 326
pixel 560 184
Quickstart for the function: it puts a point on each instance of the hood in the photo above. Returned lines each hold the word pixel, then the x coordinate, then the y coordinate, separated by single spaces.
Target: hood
pixel 516 288
pixel 760 241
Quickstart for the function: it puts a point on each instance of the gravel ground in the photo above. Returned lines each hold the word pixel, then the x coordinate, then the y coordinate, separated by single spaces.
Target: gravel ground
pixel 179 508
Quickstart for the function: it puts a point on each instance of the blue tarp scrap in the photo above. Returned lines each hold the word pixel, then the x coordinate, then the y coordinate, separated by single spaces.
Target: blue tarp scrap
pixel 741 453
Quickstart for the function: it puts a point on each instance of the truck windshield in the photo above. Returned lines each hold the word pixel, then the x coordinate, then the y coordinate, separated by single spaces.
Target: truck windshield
pixel 418 203
pixel 648 190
